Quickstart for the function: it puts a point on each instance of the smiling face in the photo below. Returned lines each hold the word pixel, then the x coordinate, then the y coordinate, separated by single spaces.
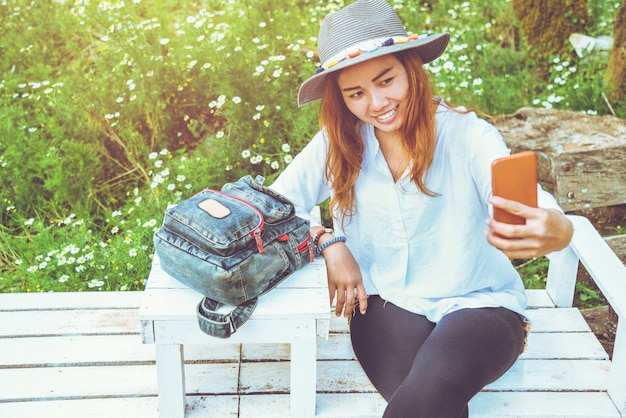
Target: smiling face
pixel 376 92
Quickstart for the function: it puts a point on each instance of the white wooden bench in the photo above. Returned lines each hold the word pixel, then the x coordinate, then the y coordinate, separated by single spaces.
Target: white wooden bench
pixel 564 373
pixel 296 312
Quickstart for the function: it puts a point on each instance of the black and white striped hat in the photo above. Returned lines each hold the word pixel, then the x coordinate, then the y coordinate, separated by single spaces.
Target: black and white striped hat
pixel 361 31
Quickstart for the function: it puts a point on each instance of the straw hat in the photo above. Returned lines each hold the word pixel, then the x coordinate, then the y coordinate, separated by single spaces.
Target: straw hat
pixel 361 31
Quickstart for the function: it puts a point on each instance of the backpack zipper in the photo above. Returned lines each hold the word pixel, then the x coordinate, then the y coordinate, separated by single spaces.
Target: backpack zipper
pixel 258 230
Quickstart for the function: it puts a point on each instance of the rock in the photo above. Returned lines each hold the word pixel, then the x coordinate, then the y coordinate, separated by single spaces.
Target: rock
pixel 582 158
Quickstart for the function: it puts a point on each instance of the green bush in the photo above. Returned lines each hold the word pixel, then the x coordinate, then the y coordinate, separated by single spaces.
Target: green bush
pixel 111 110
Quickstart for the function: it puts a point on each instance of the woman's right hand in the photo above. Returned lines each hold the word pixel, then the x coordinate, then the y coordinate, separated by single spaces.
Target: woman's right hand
pixel 344 278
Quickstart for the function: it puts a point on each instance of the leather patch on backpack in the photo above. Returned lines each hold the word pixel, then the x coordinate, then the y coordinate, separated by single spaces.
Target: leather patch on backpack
pixel 214 208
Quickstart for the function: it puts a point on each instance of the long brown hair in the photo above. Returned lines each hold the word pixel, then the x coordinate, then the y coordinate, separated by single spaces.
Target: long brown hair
pixel 345 152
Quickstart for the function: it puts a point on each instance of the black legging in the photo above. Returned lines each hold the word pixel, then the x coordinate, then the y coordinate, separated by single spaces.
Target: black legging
pixel 432 370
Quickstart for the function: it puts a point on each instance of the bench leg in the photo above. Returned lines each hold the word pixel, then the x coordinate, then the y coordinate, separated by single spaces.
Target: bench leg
pixel 562 277
pixel 303 379
pixel 617 384
pixel 171 380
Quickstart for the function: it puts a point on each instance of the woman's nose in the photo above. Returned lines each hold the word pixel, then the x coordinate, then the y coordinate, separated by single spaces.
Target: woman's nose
pixel 378 100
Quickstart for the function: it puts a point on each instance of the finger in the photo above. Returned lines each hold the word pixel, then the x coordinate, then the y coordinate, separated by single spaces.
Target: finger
pixel 504 240
pixel 515 248
pixel 514 207
pixel 506 204
pixel 331 293
pixel 362 297
pixel 502 230
pixel 521 254
pixel 341 301
pixel 350 303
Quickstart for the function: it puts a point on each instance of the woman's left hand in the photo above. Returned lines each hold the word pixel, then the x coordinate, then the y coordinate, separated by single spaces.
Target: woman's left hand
pixel 546 230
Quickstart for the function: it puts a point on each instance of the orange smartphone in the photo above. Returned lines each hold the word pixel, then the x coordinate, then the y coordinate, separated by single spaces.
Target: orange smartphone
pixel 514 177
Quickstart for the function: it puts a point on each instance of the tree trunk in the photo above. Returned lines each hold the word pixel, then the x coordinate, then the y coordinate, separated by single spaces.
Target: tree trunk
pixel 547 25
pixel 616 70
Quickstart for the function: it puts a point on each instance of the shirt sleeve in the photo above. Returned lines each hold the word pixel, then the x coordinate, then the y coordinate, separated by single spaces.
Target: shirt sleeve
pixel 486 145
pixel 303 181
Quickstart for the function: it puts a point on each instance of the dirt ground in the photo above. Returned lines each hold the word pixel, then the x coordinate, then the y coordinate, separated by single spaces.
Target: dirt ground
pixel 603 323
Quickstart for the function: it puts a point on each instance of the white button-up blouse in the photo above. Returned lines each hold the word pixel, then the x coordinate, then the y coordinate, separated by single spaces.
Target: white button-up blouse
pixel 426 254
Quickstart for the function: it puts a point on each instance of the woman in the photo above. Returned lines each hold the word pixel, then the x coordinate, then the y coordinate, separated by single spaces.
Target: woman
pixel 437 309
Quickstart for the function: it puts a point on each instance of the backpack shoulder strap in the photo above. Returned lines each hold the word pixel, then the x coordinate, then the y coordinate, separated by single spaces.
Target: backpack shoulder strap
pixel 213 321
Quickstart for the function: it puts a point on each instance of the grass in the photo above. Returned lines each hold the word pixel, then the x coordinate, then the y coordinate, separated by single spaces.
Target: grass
pixel 112 110
pixel 533 271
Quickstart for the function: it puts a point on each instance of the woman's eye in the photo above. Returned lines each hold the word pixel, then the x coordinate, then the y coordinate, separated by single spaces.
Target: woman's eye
pixel 387 81
pixel 356 95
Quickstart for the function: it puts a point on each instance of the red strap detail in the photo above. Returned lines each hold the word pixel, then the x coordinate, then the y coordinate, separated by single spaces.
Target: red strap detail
pixel 259 241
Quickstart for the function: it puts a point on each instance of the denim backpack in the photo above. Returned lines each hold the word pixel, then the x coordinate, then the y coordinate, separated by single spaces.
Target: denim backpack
pixel 232 246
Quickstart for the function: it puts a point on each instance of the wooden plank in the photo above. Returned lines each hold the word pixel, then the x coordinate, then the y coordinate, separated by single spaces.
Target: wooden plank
pixel 554 376
pixel 617 244
pixel 345 405
pixel 498 405
pixel 538 298
pixel 74 351
pixel 170 361
pixel 337 347
pixel 361 405
pixel 542 405
pixel 338 324
pixel 69 300
pixel 266 377
pixel 589 179
pixel 557 320
pixel 81 408
pixel 254 331
pixel 332 376
pixel 617 384
pixel 562 277
pixel 483 405
pixel 76 382
pixel 561 346
pixel 213 406
pixel 197 407
pixel 544 342
pixel 606 269
pixel 524 375
pixel 99 350
pixel 255 378
pixel 180 304
pixel 266 352
pixel 293 303
pixel 48 383
pixel 264 406
pixel 303 379
pixel 541 345
pixel 212 379
pixel 68 322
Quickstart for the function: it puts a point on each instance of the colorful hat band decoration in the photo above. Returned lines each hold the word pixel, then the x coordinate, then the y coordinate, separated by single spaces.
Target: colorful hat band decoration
pixel 367 46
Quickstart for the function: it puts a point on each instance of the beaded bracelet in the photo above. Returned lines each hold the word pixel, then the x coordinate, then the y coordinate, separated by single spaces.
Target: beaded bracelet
pixel 318 235
pixel 331 241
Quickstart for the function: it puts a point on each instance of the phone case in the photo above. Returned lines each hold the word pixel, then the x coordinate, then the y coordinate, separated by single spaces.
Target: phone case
pixel 514 177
